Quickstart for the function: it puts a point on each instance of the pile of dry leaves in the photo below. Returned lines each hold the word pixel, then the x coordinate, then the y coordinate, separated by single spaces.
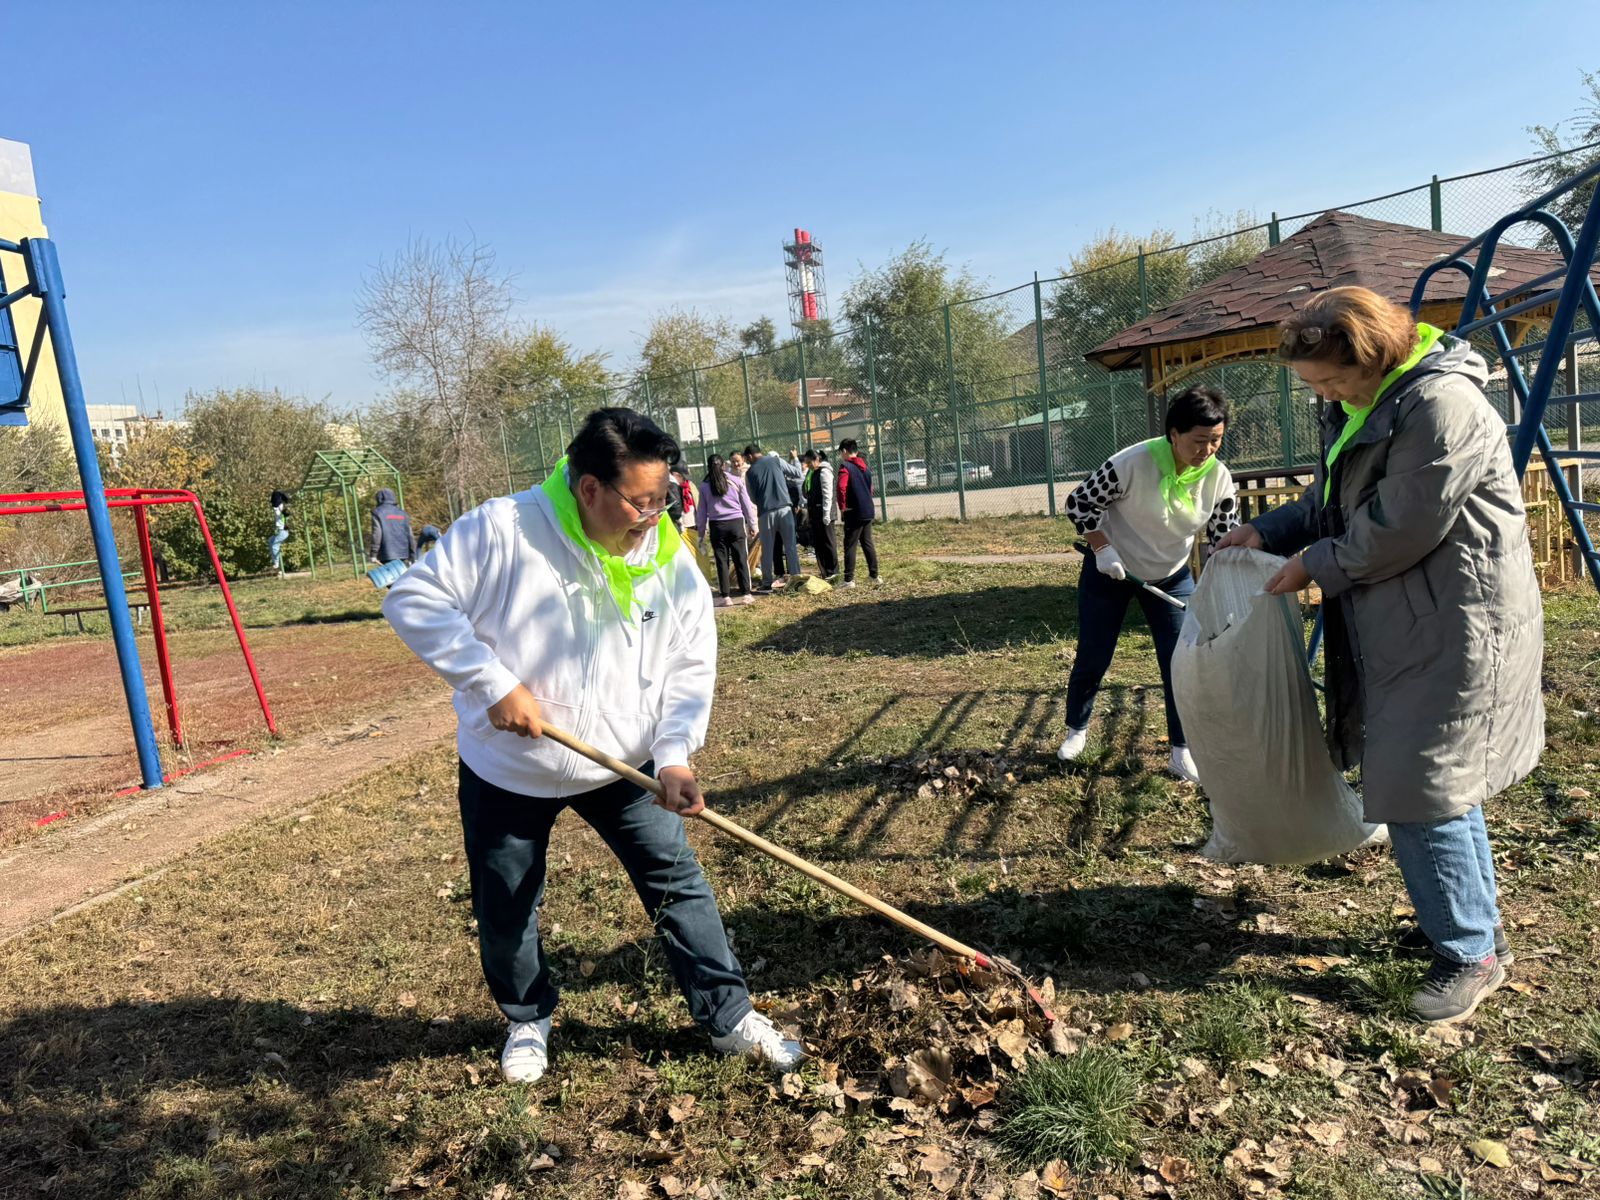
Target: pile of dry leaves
pixel 957 775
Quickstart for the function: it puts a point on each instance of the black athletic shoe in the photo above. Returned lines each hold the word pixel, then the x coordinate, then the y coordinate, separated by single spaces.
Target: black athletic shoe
pixel 1414 941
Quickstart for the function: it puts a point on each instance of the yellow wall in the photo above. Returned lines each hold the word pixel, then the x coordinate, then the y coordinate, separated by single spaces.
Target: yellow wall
pixel 19 218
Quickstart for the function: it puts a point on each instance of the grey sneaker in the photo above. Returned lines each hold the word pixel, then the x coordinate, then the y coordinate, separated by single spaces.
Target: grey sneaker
pixel 1414 941
pixel 1452 991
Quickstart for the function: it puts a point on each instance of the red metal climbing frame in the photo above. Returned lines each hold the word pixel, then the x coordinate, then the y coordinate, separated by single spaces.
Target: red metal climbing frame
pixel 139 499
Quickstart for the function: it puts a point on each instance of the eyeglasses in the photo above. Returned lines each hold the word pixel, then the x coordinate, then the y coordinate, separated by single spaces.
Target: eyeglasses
pixel 644 513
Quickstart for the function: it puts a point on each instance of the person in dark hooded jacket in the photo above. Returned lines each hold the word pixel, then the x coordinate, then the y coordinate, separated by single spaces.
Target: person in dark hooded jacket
pixel 392 536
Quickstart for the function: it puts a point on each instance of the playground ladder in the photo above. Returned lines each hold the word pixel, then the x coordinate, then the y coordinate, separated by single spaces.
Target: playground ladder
pixel 1572 289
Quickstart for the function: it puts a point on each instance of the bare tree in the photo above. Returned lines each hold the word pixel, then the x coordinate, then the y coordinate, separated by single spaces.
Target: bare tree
pixel 434 316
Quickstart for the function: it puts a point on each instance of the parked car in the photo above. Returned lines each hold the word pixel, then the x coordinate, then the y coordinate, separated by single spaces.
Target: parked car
pixel 973 472
pixel 916 474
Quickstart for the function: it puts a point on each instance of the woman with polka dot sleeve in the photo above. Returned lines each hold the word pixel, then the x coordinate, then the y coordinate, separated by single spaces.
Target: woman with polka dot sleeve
pixel 1140 513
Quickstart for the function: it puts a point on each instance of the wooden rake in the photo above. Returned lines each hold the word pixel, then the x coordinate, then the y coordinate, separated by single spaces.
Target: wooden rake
pixel 992 962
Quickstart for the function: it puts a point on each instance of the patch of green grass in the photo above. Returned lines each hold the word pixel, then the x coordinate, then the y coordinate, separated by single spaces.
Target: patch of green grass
pixel 1078 1109
pixel 1338 1181
pixel 1447 1187
pixel 505 1146
pixel 1585 1034
pixel 1572 1126
pixel 1385 987
pixel 1486 1088
pixel 1373 1038
pixel 180 1177
pixel 1234 1023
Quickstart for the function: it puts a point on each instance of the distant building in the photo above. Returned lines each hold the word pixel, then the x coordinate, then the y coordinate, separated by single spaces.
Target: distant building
pixel 837 413
pixel 21 217
pixel 115 425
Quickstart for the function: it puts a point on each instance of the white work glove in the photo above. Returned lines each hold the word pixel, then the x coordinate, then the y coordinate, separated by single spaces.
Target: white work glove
pixel 1110 562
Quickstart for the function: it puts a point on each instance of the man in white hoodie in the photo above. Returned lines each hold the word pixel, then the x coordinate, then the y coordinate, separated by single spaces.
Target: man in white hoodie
pixel 577 599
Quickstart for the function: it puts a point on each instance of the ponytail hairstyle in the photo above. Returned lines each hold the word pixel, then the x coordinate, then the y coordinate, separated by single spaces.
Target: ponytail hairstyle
pixel 717 475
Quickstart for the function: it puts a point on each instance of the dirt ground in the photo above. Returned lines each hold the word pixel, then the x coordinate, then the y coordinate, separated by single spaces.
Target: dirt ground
pixel 69 748
pixel 76 863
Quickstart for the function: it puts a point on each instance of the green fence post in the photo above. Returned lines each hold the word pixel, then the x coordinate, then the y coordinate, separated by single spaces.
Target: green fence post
pixel 350 510
pixel 327 541
pixel 749 404
pixel 1436 205
pixel 877 430
pixel 311 554
pixel 1044 396
pixel 649 401
pixel 694 393
pixel 805 394
pixel 538 436
pixel 1144 288
pixel 344 511
pixel 1285 422
pixel 955 412
pixel 572 426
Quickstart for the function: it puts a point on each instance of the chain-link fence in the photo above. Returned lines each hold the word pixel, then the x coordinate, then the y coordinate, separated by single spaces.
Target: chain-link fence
pixel 989 406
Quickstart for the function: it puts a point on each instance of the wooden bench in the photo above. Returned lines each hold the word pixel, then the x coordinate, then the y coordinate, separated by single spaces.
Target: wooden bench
pixel 140 607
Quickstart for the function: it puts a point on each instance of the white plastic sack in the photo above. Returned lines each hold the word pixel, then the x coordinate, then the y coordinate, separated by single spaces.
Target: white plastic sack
pixel 1243 690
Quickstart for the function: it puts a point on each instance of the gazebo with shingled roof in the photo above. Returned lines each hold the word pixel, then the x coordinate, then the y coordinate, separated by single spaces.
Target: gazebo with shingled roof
pixel 1235 317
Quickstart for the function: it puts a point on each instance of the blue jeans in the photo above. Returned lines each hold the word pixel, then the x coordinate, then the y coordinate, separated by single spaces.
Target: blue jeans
pixel 1102 606
pixel 1449 873
pixel 275 547
pixel 507 836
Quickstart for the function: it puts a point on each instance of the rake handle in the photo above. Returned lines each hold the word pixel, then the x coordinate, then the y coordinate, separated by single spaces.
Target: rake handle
pixel 1087 551
pixel 827 879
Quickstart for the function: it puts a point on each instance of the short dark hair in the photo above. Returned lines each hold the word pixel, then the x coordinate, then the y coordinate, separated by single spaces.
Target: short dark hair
pixel 752 451
pixel 848 446
pixel 613 437
pixel 809 454
pixel 1194 407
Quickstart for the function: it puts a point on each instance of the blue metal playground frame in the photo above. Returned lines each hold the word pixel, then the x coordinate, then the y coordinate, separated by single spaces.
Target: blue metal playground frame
pixel 1572 288
pixel 45 285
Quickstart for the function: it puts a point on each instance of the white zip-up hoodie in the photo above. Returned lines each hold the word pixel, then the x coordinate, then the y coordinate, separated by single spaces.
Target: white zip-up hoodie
pixel 507 597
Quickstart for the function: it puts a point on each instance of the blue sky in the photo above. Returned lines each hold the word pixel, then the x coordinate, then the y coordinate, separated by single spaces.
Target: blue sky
pixel 219 176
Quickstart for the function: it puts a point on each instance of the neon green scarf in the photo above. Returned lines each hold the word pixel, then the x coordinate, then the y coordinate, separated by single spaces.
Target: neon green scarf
pixel 1427 337
pixel 1175 484
pixel 619 572
pixel 805 484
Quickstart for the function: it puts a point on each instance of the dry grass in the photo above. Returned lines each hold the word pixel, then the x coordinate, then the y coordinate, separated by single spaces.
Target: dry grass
pixel 299 1011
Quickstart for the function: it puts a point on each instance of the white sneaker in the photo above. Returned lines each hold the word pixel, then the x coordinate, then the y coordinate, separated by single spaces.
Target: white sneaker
pixel 756 1035
pixel 848 583
pixel 527 1051
pixel 1181 764
pixel 723 602
pixel 1076 740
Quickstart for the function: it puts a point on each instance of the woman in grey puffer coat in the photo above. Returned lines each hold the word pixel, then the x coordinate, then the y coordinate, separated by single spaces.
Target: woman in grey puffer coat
pixel 1414 529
